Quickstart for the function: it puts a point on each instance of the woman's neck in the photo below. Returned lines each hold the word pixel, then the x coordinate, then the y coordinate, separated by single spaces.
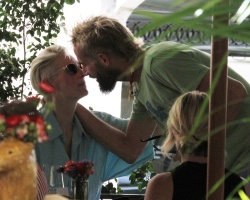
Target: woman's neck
pixel 193 158
pixel 64 112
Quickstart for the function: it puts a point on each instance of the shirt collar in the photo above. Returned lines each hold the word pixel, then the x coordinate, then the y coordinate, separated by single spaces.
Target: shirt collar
pixel 56 130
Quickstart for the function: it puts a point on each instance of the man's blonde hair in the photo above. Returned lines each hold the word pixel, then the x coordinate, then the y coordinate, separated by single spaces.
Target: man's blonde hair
pixel 106 35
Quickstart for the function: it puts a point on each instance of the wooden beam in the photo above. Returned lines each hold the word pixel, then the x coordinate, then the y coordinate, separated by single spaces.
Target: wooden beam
pixel 218 102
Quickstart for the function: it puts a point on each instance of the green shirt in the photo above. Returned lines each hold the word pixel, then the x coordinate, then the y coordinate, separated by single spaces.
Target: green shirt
pixel 171 69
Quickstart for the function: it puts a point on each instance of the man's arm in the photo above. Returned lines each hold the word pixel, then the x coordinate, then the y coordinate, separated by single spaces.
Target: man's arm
pixel 236 94
pixel 127 145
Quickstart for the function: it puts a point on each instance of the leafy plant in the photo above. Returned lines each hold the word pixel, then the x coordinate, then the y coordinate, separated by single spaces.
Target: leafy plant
pixel 110 188
pixel 25 28
pixel 197 15
pixel 142 175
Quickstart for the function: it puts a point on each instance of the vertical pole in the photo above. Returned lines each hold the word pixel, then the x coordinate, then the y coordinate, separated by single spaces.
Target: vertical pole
pixel 218 101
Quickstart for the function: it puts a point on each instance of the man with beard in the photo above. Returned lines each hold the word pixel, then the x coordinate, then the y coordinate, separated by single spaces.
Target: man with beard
pixel 158 74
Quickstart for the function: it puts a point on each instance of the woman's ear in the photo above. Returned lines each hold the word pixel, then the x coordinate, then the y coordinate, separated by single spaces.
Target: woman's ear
pixel 47 82
pixel 103 59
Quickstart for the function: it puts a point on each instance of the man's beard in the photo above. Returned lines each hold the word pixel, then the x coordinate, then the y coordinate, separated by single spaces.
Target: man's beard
pixel 106 78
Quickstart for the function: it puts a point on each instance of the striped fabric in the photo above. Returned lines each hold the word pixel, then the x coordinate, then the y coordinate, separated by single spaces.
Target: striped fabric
pixel 42 187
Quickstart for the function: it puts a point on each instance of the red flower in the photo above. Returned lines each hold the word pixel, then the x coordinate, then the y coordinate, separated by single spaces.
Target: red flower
pixel 13 120
pixel 78 169
pixel 24 118
pixel 45 87
pixel 39 120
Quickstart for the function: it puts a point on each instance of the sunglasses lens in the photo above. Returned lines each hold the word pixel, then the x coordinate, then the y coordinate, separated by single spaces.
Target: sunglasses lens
pixel 72 68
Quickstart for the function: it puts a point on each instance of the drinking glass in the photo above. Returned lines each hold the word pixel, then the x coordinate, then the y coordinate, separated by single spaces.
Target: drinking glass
pixel 57 182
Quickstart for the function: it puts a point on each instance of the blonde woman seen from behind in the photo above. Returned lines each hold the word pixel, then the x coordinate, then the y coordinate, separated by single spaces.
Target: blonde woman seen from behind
pixel 187 129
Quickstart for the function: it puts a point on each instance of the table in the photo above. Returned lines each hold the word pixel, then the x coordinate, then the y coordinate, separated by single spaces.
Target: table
pixel 122 196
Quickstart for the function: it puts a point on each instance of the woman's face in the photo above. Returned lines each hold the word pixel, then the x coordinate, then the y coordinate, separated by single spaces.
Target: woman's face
pixel 68 85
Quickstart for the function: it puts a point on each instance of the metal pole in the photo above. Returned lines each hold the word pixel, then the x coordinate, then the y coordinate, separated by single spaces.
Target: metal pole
pixel 218 101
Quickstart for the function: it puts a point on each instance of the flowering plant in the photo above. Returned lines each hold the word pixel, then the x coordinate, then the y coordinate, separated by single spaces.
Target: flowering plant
pixel 28 127
pixel 77 169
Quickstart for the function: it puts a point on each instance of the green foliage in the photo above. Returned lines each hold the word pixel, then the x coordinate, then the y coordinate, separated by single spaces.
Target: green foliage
pixel 110 188
pixel 184 15
pixel 25 28
pixel 71 2
pixel 142 175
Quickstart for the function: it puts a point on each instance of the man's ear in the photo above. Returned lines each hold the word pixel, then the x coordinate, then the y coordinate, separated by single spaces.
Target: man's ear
pixel 103 59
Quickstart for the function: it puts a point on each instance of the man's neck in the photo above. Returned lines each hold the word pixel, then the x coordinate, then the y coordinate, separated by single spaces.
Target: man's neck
pixel 137 74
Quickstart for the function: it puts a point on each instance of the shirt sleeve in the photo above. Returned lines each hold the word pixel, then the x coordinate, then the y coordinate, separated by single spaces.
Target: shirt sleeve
pixel 119 123
pixel 139 111
pixel 115 166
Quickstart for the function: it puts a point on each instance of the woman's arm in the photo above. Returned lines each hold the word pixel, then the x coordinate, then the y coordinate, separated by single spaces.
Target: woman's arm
pixel 127 145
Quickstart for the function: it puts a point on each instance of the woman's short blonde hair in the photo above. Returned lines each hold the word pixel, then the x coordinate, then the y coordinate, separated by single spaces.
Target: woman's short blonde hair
pixel 45 64
pixel 188 124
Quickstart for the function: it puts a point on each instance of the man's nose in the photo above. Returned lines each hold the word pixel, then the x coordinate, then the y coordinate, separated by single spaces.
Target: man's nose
pixel 84 71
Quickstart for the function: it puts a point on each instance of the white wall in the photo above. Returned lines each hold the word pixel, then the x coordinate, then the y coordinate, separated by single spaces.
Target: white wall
pixel 120 9
pixel 240 65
